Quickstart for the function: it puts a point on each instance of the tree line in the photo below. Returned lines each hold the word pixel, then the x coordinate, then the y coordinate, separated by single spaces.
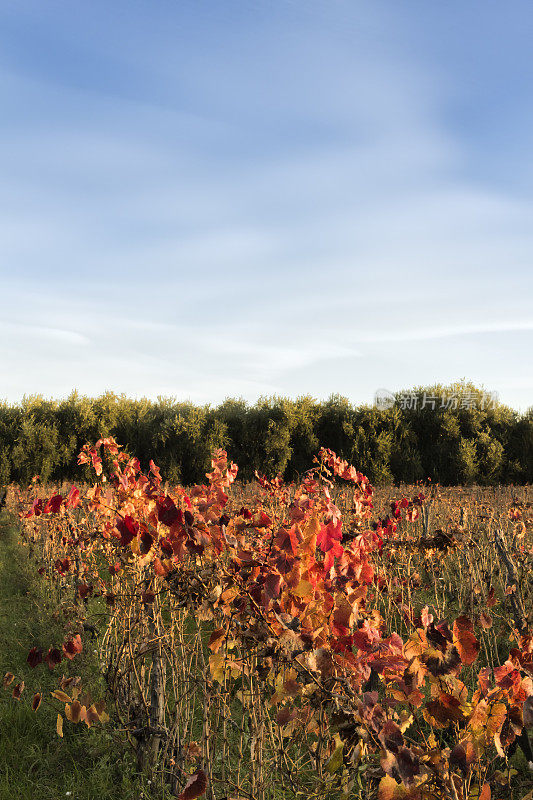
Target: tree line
pixel 461 442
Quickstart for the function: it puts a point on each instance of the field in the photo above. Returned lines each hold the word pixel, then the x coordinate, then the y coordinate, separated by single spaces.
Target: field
pixel 265 640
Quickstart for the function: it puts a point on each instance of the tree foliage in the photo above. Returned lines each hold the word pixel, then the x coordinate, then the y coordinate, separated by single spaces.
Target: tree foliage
pixel 475 443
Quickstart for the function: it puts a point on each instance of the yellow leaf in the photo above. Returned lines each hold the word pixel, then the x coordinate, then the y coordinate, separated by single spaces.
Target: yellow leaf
pixel 405 720
pixel 216 666
pixel 59 695
pixel 304 589
pixel 390 790
pixel 503 777
pixel 334 763
pixel 432 740
pixel 59 725
pixel 102 713
pixel 414 646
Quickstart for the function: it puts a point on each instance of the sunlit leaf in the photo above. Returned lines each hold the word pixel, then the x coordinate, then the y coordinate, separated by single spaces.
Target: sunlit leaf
pixel 485 793
pixel 59 695
pixel 465 640
pixel 390 790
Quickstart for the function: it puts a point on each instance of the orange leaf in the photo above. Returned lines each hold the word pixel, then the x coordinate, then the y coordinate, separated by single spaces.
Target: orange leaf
pixel 59 725
pixel 160 568
pixel 485 793
pixel 465 640
pixel 495 719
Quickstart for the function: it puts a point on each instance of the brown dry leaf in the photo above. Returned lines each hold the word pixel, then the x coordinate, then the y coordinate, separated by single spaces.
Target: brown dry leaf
pixel 216 639
pixel 91 716
pixel 75 712
pixel 485 620
pixel 8 678
pixel 195 786
pixel 17 691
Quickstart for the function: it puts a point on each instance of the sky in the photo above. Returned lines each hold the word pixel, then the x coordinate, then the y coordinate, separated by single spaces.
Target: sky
pixel 204 199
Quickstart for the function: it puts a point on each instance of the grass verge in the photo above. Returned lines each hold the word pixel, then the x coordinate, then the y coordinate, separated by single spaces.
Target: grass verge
pixel 87 764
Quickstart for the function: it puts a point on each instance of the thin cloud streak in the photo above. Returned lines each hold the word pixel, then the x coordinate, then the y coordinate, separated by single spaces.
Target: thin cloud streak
pixel 38 331
pixel 445 333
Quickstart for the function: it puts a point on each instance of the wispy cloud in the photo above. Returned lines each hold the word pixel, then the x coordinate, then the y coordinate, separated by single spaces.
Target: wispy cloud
pixel 424 334
pixel 24 330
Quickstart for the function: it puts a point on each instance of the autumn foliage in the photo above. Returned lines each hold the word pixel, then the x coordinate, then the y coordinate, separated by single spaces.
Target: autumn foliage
pixel 244 642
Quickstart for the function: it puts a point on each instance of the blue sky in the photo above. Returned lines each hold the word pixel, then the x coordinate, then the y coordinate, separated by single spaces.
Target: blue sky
pixel 206 198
